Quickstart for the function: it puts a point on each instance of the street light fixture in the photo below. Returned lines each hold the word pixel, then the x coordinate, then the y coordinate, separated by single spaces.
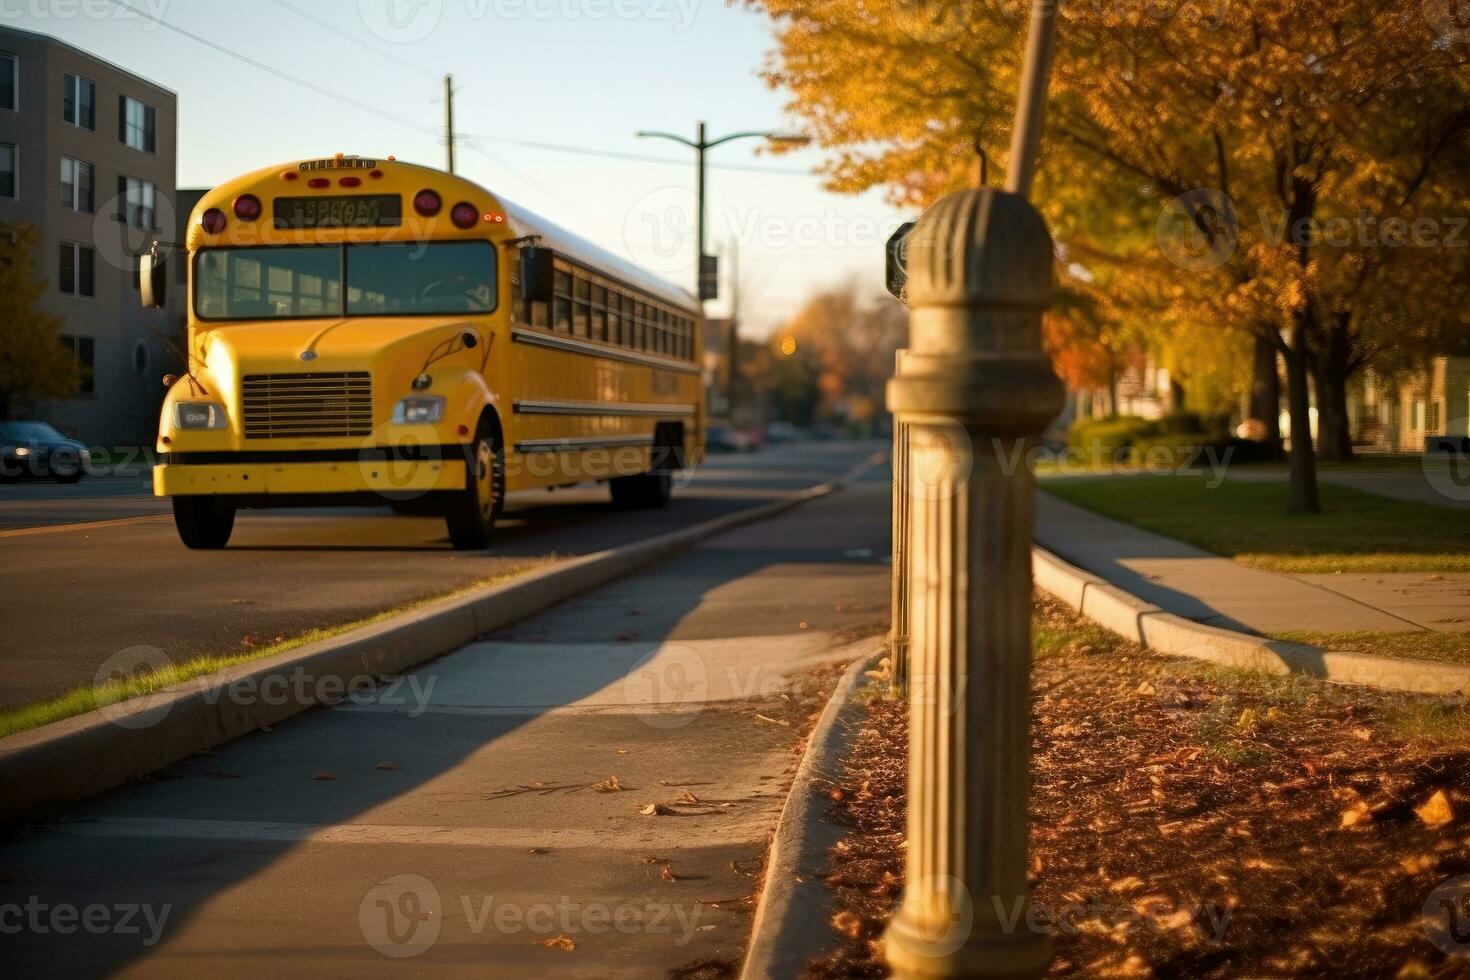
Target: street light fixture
pixel 706 268
pixel 704 265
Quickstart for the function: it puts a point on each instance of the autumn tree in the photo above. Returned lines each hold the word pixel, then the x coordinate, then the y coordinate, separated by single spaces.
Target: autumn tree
pixel 1195 151
pixel 33 364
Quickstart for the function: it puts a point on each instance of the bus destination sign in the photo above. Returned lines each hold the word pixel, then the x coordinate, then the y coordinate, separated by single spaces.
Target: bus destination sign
pixel 355 211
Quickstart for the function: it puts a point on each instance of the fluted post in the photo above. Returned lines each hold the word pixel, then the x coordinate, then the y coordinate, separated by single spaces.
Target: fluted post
pixel 899 647
pixel 975 393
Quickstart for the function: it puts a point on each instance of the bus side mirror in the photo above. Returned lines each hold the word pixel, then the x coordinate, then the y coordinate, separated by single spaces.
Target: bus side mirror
pixel 536 274
pixel 152 280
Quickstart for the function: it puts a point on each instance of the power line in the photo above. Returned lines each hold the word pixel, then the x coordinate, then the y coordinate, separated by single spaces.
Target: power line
pixel 285 76
pixel 430 130
pixel 354 39
pixel 637 157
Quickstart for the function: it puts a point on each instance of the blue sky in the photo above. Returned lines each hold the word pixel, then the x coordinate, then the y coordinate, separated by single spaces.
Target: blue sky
pixel 587 73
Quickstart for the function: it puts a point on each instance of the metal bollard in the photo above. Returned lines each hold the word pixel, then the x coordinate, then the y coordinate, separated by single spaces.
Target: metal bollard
pixel 899 639
pixel 975 392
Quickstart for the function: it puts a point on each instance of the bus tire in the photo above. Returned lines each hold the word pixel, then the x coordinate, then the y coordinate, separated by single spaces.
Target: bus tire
pixel 470 514
pixel 641 492
pixel 204 522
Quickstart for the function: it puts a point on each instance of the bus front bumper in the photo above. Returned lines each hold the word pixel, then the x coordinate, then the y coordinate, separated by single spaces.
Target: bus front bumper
pixel 386 477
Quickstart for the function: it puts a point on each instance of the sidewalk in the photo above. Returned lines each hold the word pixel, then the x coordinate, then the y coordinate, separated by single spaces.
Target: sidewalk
pixel 1218 591
pixel 486 816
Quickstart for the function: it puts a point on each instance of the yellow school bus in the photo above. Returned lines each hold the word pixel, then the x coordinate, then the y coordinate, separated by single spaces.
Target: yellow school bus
pixel 372 331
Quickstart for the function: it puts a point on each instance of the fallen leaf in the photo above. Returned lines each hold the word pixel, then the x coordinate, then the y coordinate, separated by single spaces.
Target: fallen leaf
pixel 1247 722
pixel 323 775
pixel 847 923
pixel 1356 814
pixel 608 785
pixel 1125 885
pixel 1436 811
pixel 562 942
pixel 389 765
pixel 774 721
pixel 804 625
pixel 540 850
pixel 1418 864
pixel 667 874
pixel 688 797
pixel 1146 690
pixel 655 809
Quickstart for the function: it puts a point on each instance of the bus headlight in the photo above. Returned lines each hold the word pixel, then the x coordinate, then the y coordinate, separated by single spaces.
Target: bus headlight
pixel 200 415
pixel 418 411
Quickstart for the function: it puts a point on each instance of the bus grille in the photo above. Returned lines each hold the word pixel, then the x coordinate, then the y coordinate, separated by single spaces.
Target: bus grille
pixel 294 406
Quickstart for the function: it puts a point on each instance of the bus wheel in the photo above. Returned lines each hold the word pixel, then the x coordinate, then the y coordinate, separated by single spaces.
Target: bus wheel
pixel 204 522
pixel 642 491
pixel 471 512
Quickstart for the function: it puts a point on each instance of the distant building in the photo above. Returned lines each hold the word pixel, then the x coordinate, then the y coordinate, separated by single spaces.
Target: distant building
pixel 87 157
pixel 1400 415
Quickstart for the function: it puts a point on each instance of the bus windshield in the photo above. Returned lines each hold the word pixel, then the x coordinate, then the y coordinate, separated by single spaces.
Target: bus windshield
pixel 389 279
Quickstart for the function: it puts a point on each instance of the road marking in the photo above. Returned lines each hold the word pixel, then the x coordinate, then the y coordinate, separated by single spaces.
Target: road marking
pixel 173 828
pixel 25 532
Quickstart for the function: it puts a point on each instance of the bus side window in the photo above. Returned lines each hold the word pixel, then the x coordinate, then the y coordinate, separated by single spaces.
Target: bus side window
pixel 563 300
pixel 581 307
pixel 599 311
pixel 614 316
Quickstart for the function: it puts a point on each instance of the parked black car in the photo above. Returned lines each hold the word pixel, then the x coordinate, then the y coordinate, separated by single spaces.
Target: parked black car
pixel 35 449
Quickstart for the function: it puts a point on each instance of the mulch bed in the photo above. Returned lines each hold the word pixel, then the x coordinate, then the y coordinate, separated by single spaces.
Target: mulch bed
pixel 1188 821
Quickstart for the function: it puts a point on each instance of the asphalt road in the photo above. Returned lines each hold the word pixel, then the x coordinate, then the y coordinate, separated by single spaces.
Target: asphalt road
pixel 91 570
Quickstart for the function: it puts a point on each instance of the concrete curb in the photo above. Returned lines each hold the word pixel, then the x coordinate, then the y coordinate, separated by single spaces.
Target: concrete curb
pixel 47 769
pixel 1148 625
pixel 791 917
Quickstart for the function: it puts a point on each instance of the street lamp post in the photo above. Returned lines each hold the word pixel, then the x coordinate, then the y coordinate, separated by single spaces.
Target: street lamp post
pixel 705 271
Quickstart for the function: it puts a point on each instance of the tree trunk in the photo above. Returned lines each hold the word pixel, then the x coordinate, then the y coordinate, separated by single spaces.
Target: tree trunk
pixel 1331 371
pixel 1303 497
pixel 1112 388
pixel 1266 391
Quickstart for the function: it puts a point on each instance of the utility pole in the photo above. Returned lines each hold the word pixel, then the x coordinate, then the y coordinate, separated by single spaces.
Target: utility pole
pixel 734 339
pixel 449 122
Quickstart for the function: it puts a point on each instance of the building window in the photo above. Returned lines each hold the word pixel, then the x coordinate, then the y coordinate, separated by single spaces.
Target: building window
pixel 1431 420
pixel 136 124
pixel 9 83
pixel 76 185
pixel 84 351
pixel 137 202
pixel 563 301
pixel 77 265
pixel 9 161
pixel 79 101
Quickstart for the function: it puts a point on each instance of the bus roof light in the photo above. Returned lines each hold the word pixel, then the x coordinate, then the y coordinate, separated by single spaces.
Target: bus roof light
pixel 427 203
pixel 318 182
pixel 290 175
pixel 247 207
pixel 213 221
pixel 465 215
pixel 349 181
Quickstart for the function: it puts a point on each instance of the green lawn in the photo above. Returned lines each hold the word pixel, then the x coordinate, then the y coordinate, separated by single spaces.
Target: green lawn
pixel 1451 648
pixel 1247 521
